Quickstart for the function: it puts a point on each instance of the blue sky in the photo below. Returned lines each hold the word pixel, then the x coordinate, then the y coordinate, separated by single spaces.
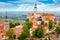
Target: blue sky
pixel 28 5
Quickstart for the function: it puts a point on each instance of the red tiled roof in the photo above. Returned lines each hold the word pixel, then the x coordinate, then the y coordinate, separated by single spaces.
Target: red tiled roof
pixel 33 28
pixel 43 14
pixel 30 14
pixel 35 24
pixel 17 30
pixel 1 25
pixel 3 31
pixel 45 28
pixel 49 18
pixel 50 15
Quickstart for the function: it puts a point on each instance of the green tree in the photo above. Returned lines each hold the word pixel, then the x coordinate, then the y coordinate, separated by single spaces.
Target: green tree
pixel 45 24
pixel 14 25
pixel 50 24
pixel 42 22
pixel 10 34
pixel 27 20
pixel 26 29
pixel 58 30
pixel 25 33
pixel 38 33
pixel 22 36
pixel 29 24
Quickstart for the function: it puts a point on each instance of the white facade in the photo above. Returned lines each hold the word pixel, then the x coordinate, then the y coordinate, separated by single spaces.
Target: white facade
pixel 6 25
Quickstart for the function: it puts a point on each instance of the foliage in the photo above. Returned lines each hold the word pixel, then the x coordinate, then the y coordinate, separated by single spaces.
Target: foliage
pixel 25 29
pixel 25 33
pixel 28 23
pixel 45 24
pixel 38 33
pixel 45 38
pixel 27 20
pixel 14 25
pixel 22 36
pixel 50 24
pixel 42 22
pixel 10 33
pixel 58 30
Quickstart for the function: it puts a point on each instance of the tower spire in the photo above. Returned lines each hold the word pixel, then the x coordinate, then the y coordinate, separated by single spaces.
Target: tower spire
pixel 35 4
pixel 6 16
pixel 35 8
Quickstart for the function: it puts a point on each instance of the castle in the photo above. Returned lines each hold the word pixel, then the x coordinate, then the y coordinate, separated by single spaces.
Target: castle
pixel 38 18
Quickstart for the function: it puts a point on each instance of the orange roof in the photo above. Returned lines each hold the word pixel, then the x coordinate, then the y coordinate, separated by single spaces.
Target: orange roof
pixel 33 28
pixel 34 20
pixel 3 31
pixel 35 24
pixel 45 28
pixel 49 18
pixel 43 14
pixel 17 30
pixel 30 14
pixel 50 15
pixel 1 25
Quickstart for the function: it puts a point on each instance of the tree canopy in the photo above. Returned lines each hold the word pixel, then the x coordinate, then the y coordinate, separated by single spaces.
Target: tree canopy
pixel 50 24
pixel 14 25
pixel 38 33
pixel 25 33
pixel 28 23
pixel 10 33
pixel 58 30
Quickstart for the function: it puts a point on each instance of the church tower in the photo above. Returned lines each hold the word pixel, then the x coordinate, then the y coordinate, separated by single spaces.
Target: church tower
pixel 35 8
pixel 6 22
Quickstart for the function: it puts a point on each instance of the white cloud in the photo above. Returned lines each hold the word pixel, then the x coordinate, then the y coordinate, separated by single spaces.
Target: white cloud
pixel 5 4
pixel 42 7
pixel 25 7
pixel 29 7
pixel 55 1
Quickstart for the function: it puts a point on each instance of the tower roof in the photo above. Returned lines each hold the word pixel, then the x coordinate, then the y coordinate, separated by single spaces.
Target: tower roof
pixel 35 4
pixel 6 17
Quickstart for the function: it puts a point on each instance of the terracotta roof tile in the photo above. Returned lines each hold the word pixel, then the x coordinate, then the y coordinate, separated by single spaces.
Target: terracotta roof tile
pixel 49 18
pixel 45 28
pixel 33 28
pixel 3 31
pixel 30 14
pixel 43 14
pixel 17 29
pixel 50 15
